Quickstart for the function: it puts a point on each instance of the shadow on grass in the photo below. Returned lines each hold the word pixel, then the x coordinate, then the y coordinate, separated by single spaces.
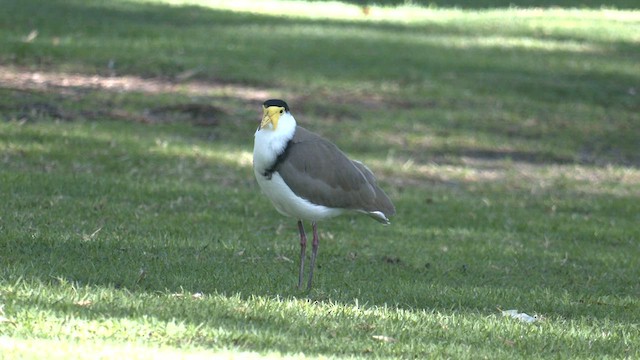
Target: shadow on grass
pixel 126 233
pixel 136 38
pixel 341 58
pixel 558 290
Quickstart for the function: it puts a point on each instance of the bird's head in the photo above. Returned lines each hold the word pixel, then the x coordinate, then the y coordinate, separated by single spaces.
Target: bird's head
pixel 272 111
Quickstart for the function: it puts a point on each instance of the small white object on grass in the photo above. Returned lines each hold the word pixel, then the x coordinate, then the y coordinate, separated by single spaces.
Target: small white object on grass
pixel 384 338
pixel 520 316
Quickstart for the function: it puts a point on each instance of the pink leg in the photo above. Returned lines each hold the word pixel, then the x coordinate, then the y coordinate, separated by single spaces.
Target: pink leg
pixel 314 253
pixel 303 248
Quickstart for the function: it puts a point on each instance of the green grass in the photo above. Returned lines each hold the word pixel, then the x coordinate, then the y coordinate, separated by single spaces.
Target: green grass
pixel 507 138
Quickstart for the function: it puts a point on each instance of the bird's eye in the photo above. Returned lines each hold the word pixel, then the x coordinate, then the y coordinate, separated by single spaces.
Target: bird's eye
pixel 281 111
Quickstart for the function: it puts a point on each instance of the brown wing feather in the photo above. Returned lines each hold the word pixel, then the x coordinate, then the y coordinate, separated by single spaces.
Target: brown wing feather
pixel 318 171
pixel 382 201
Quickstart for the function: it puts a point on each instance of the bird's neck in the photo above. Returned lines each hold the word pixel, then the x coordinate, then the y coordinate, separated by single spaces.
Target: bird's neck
pixel 269 144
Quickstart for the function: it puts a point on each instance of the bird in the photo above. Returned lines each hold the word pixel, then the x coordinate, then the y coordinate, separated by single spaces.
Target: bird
pixel 309 178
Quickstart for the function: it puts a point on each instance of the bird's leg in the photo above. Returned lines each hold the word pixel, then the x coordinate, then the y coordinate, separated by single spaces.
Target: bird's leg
pixel 314 253
pixel 303 248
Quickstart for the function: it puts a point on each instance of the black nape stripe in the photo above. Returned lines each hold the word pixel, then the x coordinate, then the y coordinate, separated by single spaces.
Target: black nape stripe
pixel 276 102
pixel 268 173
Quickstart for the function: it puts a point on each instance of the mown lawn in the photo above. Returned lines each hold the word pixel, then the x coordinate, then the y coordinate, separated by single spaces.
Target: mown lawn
pixel 131 224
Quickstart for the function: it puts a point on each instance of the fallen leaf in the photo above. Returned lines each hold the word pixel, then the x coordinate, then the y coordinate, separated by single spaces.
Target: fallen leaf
pixel 283 258
pixel 32 36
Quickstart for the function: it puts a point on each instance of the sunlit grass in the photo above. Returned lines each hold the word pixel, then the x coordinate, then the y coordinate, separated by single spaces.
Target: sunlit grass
pixel 527 43
pixel 403 13
pixel 56 350
pixel 601 24
pixel 151 319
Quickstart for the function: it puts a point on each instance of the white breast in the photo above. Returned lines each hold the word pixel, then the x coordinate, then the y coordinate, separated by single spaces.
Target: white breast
pixel 288 204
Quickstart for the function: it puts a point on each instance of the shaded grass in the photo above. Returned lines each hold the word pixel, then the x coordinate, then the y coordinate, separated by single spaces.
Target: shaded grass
pixel 508 146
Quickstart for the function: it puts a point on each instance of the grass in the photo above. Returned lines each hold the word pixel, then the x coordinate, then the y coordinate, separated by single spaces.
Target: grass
pixel 131 225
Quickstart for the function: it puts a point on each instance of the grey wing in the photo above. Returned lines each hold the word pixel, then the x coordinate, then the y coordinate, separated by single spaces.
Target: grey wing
pixel 319 172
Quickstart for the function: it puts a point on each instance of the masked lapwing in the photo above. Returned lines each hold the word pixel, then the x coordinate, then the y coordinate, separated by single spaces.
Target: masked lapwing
pixel 308 178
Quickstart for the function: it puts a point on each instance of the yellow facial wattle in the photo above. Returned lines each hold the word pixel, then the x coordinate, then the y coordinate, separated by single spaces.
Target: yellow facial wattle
pixel 271 115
